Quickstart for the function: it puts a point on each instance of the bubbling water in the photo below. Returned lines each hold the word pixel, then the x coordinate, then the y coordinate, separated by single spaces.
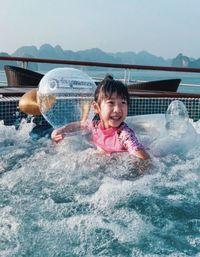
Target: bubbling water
pixel 169 133
pixel 177 119
pixel 67 200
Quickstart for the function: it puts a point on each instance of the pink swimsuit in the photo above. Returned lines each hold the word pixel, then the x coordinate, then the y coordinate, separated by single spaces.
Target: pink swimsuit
pixel 121 139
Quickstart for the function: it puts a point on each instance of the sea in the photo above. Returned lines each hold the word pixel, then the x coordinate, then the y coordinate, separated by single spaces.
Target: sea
pixel 190 82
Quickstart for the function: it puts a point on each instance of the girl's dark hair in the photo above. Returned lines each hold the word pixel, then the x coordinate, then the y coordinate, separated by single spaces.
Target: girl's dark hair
pixel 109 86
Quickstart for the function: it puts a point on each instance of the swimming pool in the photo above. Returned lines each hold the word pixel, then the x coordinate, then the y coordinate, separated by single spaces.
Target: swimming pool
pixel 66 200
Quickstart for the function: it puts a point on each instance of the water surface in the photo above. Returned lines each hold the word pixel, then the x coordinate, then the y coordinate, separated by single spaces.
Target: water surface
pixel 67 200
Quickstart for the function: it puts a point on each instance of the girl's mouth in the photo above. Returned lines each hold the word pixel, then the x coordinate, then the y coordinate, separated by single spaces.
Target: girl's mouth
pixel 116 118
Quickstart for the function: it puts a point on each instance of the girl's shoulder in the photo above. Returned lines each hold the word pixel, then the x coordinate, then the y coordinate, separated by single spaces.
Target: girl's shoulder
pixel 128 138
pixel 125 129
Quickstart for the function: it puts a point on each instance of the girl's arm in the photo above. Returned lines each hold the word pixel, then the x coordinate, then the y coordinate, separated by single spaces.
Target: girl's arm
pixel 132 144
pixel 59 133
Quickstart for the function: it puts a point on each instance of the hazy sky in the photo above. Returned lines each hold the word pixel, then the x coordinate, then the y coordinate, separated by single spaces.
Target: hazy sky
pixel 161 27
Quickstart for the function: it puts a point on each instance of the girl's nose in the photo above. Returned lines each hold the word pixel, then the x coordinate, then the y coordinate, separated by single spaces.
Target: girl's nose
pixel 117 108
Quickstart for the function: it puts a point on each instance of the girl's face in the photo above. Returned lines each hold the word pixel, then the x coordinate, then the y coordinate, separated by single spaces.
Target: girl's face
pixel 112 111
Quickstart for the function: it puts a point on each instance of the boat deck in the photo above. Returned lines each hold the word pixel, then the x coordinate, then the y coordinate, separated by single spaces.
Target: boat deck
pixel 13 91
pixel 141 101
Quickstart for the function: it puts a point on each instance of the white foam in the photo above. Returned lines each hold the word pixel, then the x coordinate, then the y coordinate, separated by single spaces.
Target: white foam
pixel 154 135
pixel 76 196
pixel 9 226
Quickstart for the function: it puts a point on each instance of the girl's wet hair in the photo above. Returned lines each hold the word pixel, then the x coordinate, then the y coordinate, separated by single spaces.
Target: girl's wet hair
pixel 109 86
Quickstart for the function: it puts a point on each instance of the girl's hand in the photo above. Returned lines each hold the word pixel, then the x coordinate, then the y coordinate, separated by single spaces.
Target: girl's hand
pixel 57 135
pixel 142 154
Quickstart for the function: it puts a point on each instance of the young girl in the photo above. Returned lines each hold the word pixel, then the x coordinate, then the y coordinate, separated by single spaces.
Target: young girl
pixel 108 130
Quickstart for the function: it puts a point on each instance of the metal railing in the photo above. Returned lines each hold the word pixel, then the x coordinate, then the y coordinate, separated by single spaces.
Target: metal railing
pixel 126 67
pixel 26 60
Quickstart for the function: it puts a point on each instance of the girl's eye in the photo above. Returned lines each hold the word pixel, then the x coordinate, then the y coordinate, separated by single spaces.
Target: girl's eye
pixel 110 102
pixel 124 102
